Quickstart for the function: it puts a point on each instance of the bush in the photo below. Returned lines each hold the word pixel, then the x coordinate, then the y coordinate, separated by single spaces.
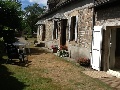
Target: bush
pixel 62 53
pixel 83 61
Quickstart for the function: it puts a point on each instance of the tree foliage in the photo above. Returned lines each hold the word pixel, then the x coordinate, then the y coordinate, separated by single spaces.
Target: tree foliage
pixel 10 14
pixel 31 14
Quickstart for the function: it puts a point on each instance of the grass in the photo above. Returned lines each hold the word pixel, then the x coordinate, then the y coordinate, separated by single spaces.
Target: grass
pixel 46 72
pixel 20 78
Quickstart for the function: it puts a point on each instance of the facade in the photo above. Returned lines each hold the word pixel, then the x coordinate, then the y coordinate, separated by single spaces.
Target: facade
pixel 89 28
pixel 68 23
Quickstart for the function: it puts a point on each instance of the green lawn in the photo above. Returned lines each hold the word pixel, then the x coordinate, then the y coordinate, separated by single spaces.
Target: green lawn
pixel 46 71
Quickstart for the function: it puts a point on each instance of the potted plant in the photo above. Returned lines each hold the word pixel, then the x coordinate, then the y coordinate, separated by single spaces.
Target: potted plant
pixel 83 61
pixel 62 51
pixel 54 48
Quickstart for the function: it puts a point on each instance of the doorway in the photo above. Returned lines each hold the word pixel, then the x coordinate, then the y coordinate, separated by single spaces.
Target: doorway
pixel 63 32
pixel 115 49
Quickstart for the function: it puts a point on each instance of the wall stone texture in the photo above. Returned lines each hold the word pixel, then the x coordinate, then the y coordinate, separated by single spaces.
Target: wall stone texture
pixel 107 15
pixel 48 27
pixel 83 45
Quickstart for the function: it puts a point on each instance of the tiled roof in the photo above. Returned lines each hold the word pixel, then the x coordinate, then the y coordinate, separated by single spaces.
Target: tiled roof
pixel 53 1
pixel 40 22
pixel 99 2
pixel 61 3
pixel 59 16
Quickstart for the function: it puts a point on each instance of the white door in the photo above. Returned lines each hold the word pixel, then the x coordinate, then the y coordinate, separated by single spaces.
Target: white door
pixel 96 48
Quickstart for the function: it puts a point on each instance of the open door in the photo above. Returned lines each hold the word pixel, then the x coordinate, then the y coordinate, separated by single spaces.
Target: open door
pixel 63 32
pixel 96 48
pixel 44 32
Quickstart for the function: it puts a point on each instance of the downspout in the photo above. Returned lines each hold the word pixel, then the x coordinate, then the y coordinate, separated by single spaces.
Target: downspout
pixel 93 13
pixel 93 23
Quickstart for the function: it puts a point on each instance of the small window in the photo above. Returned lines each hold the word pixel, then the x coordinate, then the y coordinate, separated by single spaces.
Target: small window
pixel 55 31
pixel 72 28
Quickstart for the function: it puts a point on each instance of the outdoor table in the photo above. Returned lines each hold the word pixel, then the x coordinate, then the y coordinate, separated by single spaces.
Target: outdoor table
pixel 22 44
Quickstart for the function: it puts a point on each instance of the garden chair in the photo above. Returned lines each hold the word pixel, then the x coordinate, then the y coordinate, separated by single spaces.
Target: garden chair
pixel 14 52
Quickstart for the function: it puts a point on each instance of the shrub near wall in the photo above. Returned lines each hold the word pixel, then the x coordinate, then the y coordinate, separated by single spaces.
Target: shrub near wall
pixel 83 61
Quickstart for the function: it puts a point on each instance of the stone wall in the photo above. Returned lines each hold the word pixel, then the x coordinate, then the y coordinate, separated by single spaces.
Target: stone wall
pixel 40 33
pixel 83 45
pixel 107 15
pixel 49 37
pixel 49 28
pixel 85 27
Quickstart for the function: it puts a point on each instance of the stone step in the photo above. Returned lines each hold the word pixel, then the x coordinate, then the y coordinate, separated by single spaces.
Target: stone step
pixel 114 73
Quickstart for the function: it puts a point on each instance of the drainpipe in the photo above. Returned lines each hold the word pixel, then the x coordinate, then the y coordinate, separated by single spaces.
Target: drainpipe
pixel 93 23
pixel 93 13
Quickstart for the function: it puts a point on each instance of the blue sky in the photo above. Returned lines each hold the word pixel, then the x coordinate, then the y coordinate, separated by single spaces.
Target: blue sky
pixel 28 2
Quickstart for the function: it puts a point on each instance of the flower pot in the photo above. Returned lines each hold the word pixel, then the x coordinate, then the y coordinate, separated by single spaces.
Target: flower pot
pixel 54 50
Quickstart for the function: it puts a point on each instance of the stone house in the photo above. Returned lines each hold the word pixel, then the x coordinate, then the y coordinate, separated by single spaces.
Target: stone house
pixel 87 27
pixel 68 22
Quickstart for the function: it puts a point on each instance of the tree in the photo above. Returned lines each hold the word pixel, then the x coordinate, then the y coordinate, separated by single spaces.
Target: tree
pixel 31 14
pixel 10 14
pixel 10 18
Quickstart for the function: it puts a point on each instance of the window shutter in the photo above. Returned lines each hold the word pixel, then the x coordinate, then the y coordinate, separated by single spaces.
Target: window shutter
pixel 69 28
pixel 53 29
pixel 56 33
pixel 40 30
pixel 76 28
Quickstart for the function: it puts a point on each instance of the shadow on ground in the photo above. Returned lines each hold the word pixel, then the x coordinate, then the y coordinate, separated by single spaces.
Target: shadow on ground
pixel 5 60
pixel 26 63
pixel 8 82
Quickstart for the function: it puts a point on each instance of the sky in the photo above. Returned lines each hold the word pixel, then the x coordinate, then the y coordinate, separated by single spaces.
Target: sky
pixel 25 3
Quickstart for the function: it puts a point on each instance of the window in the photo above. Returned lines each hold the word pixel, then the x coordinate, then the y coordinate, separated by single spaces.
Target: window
pixel 73 28
pixel 55 30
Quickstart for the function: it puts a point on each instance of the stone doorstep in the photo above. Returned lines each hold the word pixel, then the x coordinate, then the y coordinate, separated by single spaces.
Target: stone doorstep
pixel 114 73
pixel 97 74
